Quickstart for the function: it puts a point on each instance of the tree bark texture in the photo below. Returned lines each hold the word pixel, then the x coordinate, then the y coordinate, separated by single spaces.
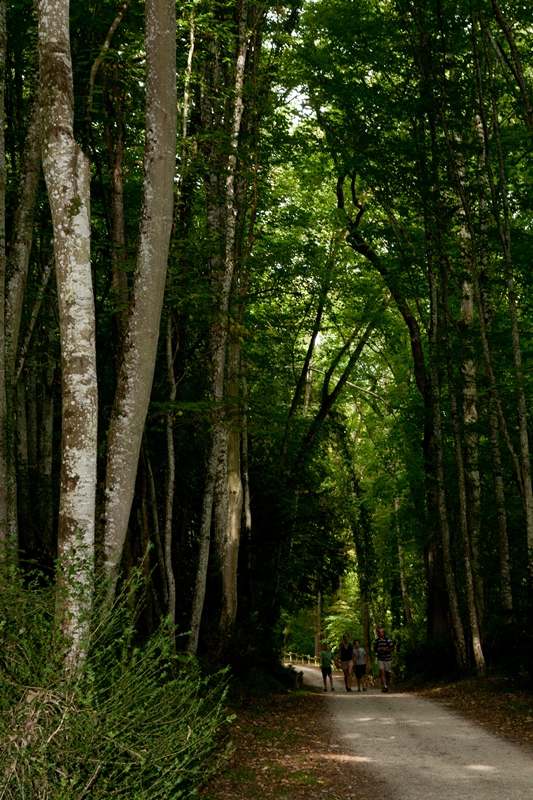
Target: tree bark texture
pixel 22 238
pixel 228 526
pixel 46 437
pixel 136 373
pixel 155 526
pixel 115 158
pixel 455 613
pixel 7 543
pixel 171 480
pixel 463 515
pixel 221 223
pixel 66 171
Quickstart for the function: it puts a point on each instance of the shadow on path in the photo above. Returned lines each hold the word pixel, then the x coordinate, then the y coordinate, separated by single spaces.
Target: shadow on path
pixel 421 750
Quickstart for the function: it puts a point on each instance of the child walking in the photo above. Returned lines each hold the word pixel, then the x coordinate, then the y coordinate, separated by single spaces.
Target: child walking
pixel 326 658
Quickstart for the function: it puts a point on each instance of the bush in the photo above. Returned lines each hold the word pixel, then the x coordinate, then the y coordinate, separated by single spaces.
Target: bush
pixel 137 721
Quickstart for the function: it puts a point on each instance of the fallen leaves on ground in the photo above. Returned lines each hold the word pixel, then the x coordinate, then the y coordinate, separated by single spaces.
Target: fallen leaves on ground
pixel 492 702
pixel 285 748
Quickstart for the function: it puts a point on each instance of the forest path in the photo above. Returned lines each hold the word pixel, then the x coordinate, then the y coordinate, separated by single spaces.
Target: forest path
pixel 420 750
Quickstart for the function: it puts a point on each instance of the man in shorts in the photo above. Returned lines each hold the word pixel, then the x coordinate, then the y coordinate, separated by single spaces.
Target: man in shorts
pixel 360 664
pixel 326 657
pixel 346 659
pixel 384 648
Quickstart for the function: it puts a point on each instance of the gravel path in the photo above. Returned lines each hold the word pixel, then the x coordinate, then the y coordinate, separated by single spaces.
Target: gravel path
pixel 421 750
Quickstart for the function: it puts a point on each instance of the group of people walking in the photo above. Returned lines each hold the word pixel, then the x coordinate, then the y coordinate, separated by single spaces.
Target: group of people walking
pixel 352 659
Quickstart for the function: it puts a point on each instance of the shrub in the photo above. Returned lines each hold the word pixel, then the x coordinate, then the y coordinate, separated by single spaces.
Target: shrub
pixel 137 721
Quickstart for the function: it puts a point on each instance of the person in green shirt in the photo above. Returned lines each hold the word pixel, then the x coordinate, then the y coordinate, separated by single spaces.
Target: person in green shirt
pixel 326 657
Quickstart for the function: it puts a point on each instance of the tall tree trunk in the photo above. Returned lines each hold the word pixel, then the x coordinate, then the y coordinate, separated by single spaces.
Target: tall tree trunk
pixel 16 276
pixel 22 238
pixel 46 437
pixel 303 380
pixel 455 614
pixel 229 528
pixel 525 459
pixel 23 479
pixel 67 175
pixel 171 479
pixel 367 641
pixel 485 309
pixel 136 373
pixel 437 600
pixel 317 626
pixel 463 510
pixel 7 546
pixel 403 582
pixel 470 428
pixel 155 526
pixel 221 282
pixel 115 158
pixel 246 486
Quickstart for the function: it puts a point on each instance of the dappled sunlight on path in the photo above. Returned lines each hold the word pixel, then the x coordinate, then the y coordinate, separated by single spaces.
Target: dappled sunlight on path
pixel 423 751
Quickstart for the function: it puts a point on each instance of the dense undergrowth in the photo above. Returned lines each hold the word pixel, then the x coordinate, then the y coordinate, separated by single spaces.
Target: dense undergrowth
pixel 138 720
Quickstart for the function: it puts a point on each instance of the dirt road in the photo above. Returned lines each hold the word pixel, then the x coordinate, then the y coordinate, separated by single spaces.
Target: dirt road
pixel 421 750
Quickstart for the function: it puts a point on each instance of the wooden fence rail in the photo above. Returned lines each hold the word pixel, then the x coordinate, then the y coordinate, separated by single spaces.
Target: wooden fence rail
pixel 304 659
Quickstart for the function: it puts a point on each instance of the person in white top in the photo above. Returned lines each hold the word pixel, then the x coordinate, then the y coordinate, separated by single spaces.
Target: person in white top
pixel 360 664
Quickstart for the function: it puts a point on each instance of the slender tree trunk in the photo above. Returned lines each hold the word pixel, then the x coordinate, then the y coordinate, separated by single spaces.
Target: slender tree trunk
pixel 437 600
pixel 21 242
pixel 135 377
pixel 517 63
pixel 144 525
pixel 329 398
pixel 17 272
pixel 525 459
pixel 7 545
pixel 303 380
pixel 26 339
pixel 403 582
pixel 205 544
pixel 497 469
pixel 23 478
pixel 367 641
pixel 470 428
pixel 171 480
pixel 67 175
pixel 463 512
pixel 115 158
pixel 246 486
pixel 46 437
pixel 318 624
pixel 481 293
pixel 155 526
pixel 229 534
pixel 455 614
pixel 485 309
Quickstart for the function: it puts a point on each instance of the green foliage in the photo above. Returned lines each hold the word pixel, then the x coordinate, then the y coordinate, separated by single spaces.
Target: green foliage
pixel 342 615
pixel 137 720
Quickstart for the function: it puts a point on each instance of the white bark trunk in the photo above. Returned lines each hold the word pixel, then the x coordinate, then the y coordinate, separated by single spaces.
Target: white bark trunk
pixel 67 176
pixel 138 363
